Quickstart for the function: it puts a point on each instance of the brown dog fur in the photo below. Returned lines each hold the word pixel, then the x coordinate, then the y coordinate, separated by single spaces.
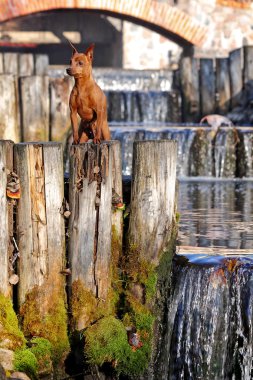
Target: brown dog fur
pixel 87 100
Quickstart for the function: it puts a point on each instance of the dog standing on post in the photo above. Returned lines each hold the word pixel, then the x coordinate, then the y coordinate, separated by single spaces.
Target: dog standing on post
pixel 87 100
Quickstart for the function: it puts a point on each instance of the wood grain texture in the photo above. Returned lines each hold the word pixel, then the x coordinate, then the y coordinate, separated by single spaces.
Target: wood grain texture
pixel 35 108
pixel 60 125
pixel 223 85
pixel 41 64
pixel 1 63
pixel 248 64
pixel 152 197
pixel 207 87
pixel 10 62
pixel 26 64
pixel 117 215
pixel 40 226
pixel 9 120
pixel 6 163
pixel 189 79
pixel 90 222
pixel 236 79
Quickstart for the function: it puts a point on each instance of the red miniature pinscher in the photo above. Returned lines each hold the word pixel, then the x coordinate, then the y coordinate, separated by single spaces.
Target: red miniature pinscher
pixel 87 100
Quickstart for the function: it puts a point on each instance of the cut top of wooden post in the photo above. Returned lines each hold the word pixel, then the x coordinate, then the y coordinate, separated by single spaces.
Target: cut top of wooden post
pixel 153 196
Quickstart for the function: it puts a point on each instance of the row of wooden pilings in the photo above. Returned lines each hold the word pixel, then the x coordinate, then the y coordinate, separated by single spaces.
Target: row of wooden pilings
pixel 49 244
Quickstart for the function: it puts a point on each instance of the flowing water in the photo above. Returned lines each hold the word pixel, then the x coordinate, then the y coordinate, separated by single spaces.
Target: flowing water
pixel 210 307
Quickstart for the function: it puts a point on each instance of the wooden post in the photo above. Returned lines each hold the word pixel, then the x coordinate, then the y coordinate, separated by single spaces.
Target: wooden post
pixel 1 63
pixel 41 64
pixel 223 85
pixel 248 64
pixel 35 108
pixel 60 125
pixel 10 61
pixel 189 78
pixel 152 197
pixel 9 121
pixel 117 217
pixel 207 87
pixel 235 73
pixel 6 222
pixel 41 241
pixel 90 195
pixel 26 64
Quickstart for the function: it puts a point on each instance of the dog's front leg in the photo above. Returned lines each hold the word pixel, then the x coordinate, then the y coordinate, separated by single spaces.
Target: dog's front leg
pixel 97 134
pixel 74 124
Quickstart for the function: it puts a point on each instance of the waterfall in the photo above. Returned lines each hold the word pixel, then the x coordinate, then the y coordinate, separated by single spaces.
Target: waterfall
pixel 210 320
pixel 228 154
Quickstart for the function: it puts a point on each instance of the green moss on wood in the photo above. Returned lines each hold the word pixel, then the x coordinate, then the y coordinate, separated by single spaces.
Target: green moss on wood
pixel 42 349
pixel 25 361
pixel 47 320
pixel 11 336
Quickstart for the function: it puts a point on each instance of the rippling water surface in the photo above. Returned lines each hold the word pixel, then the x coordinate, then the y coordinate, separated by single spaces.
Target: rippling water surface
pixel 217 213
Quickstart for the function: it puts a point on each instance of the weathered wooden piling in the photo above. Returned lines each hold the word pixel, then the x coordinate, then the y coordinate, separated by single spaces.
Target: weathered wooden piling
pixel 34 92
pixel 236 78
pixel 41 62
pixel 9 120
pixel 222 85
pixel 6 215
pixel 26 64
pixel 189 79
pixel 248 64
pixel 60 89
pixel 1 63
pixel 152 197
pixel 41 241
pixel 10 62
pixel 207 86
pixel 90 195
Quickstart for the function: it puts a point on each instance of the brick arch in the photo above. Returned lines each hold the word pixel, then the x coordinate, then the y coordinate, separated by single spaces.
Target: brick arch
pixel 159 16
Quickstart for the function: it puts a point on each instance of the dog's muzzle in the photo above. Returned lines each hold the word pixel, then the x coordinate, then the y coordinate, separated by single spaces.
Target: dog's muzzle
pixel 68 71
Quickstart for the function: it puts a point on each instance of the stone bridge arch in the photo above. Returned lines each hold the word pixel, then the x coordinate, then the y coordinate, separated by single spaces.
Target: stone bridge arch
pixel 159 16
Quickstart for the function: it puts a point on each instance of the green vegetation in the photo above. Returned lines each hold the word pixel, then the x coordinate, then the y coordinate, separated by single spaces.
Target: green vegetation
pixel 11 336
pixel 42 350
pixel 25 361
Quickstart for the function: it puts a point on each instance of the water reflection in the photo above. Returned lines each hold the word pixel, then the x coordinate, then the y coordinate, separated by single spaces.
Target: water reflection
pixel 216 214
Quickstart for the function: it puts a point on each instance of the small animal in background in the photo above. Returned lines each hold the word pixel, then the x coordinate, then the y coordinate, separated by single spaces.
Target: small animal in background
pixel 86 100
pixel 216 121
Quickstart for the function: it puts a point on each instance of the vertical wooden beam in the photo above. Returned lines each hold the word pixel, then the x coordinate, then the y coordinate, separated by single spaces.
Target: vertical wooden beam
pixel 248 64
pixel 26 64
pixel 152 197
pixel 189 78
pixel 9 120
pixel 60 125
pixel 1 63
pixel 207 87
pixel 34 108
pixel 10 61
pixel 41 64
pixel 90 196
pixel 6 221
pixel 41 241
pixel 236 78
pixel 223 85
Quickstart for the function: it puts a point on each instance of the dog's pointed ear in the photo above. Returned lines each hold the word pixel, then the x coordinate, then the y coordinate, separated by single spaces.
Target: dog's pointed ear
pixel 89 52
pixel 74 51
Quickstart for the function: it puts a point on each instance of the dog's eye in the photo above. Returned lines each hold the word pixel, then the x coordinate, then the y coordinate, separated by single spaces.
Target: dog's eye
pixel 80 63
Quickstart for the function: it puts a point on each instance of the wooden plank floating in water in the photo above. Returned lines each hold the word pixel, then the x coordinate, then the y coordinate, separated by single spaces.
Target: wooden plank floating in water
pixel 182 249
